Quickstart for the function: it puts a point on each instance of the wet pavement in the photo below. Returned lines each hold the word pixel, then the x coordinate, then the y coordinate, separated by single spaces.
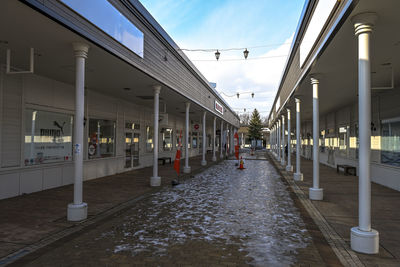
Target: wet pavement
pixel 221 216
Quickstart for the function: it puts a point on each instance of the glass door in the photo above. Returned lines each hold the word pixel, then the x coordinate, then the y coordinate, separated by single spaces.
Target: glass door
pixel 128 149
pixel 135 149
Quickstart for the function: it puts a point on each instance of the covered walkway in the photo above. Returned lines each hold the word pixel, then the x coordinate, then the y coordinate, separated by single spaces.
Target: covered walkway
pixel 340 209
pixel 35 220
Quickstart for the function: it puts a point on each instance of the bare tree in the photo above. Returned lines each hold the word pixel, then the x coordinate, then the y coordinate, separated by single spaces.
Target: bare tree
pixel 244 119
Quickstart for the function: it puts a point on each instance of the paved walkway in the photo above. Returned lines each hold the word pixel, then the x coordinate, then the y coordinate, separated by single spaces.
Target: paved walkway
pixel 217 218
pixel 340 210
pixel 28 219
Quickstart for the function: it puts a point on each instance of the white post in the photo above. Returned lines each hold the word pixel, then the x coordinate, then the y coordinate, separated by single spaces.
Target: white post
pixel 315 192
pixel 242 140
pixel 155 180
pixel 221 137
pixel 203 161
pixel 187 168
pixel 214 157
pixel 77 210
pixel 298 176
pixel 227 140
pixel 364 239
pixel 289 166
pixel 279 140
pixel 283 161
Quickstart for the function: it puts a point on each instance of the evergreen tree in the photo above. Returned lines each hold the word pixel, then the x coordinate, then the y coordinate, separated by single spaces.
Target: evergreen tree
pixel 255 126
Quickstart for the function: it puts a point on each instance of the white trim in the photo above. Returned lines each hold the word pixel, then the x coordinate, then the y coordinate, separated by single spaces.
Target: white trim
pixel 391 120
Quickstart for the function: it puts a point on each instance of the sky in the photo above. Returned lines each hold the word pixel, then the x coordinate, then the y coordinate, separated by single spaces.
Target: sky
pixel 265 27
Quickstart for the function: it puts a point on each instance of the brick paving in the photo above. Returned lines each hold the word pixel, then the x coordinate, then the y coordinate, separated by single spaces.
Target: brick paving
pixel 104 206
pixel 339 209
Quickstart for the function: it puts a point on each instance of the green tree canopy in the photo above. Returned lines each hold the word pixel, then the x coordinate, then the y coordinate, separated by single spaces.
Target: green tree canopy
pixel 255 126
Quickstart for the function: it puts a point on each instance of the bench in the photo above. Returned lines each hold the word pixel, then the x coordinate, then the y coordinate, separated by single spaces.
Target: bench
pixel 347 169
pixel 163 159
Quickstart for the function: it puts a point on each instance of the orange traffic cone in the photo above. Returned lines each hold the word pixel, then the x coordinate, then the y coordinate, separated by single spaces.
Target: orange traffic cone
pixel 241 167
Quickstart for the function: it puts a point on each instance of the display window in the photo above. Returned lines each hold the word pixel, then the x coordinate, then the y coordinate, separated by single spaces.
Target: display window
pixel 390 142
pixel 180 139
pixel 48 137
pixel 194 140
pixel 101 140
pixel 166 139
pixel 149 138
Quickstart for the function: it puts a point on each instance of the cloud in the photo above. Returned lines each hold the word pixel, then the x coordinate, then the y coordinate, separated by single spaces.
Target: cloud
pixel 261 76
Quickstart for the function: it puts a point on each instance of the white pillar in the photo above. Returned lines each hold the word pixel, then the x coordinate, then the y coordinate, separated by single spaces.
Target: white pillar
pixel 155 180
pixel 283 161
pixel 214 157
pixel 186 168
pixel 242 140
pixel 77 210
pixel 315 192
pixel 279 140
pixel 203 161
pixel 221 137
pixel 298 176
pixel 227 140
pixel 364 239
pixel 289 166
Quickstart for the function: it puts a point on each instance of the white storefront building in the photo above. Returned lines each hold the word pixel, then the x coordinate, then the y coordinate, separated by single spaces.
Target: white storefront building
pixel 340 93
pixel 66 72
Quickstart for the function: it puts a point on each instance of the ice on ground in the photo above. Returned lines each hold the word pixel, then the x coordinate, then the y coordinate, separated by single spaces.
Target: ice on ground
pixel 251 209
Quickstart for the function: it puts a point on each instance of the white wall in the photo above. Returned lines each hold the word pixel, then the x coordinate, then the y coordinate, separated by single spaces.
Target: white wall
pixel 19 92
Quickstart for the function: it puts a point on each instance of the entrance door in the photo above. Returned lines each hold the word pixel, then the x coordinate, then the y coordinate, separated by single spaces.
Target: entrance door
pixel 128 150
pixel 135 149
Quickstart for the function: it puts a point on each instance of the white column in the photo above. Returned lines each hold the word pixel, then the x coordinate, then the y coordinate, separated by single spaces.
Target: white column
pixel 227 140
pixel 214 157
pixel 289 166
pixel 283 161
pixel 279 140
pixel 315 192
pixel 203 161
pixel 364 239
pixel 298 176
pixel 221 137
pixel 77 210
pixel 186 168
pixel 155 180
pixel 242 140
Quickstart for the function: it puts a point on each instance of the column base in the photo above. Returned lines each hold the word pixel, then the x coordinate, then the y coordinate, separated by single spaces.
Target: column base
pixel 77 212
pixel 289 168
pixel 298 176
pixel 187 169
pixel 221 157
pixel 203 163
pixel 364 242
pixel 283 162
pixel 316 193
pixel 214 158
pixel 155 181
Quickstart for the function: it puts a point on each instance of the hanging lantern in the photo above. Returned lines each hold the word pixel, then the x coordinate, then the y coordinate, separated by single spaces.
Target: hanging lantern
pixel 237 94
pixel 217 54
pixel 246 53
pixel 252 95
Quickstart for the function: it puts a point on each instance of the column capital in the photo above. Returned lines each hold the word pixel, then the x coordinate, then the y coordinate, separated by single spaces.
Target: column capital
pixel 187 105
pixel 80 49
pixel 204 113
pixel 297 100
pixel 157 88
pixel 288 110
pixel 364 22
pixel 314 80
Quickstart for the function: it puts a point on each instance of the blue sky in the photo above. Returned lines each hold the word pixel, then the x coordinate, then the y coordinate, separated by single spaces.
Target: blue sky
pixel 224 24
